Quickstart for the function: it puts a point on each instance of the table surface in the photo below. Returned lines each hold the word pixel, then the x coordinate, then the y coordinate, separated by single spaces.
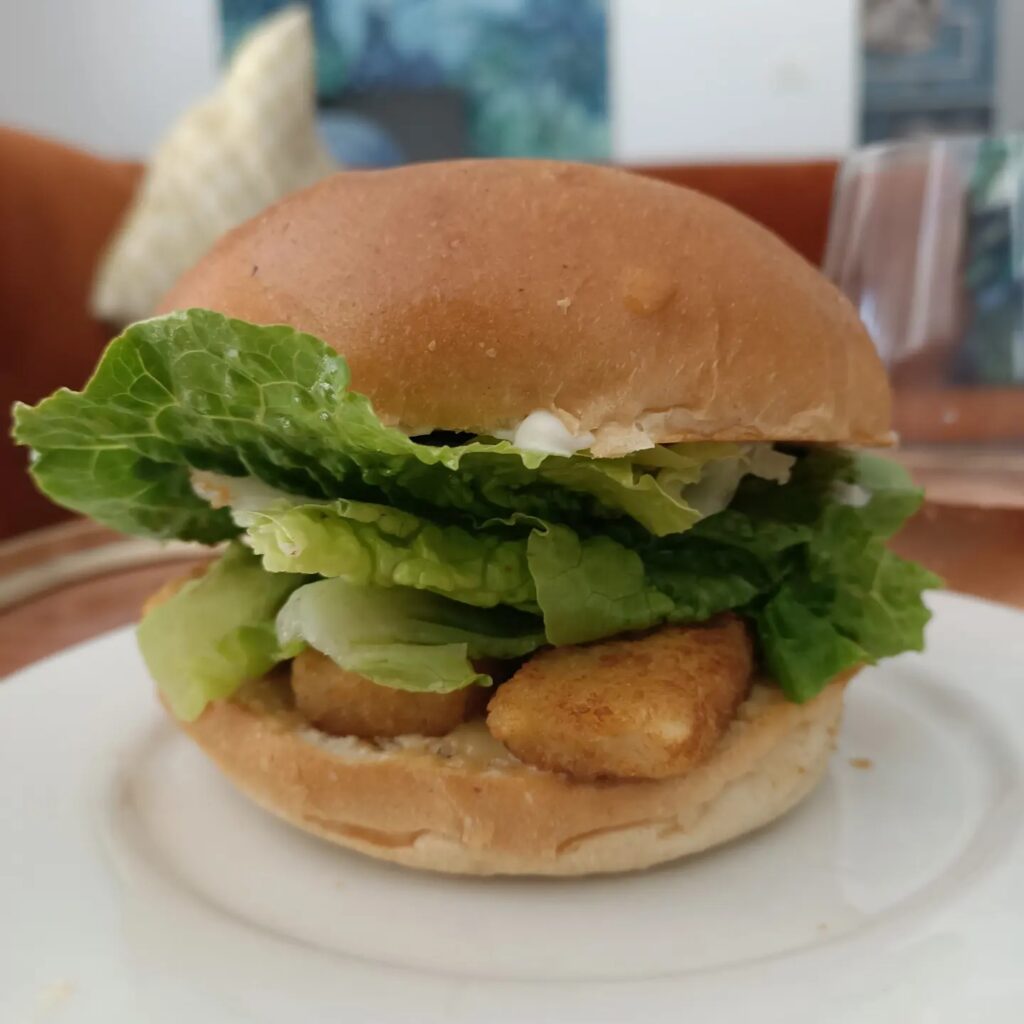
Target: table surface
pixel 66 583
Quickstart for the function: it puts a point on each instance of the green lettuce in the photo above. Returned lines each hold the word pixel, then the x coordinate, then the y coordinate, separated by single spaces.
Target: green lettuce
pixel 197 390
pixel 216 632
pixel 842 598
pixel 376 545
pixel 811 571
pixel 591 588
pixel 404 638
pixel 407 559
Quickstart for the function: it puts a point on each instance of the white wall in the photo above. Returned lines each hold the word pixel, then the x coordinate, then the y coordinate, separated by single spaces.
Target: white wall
pixel 691 79
pixel 108 75
pixel 704 79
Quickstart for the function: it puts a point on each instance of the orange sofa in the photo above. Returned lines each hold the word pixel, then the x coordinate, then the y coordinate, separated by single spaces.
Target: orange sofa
pixel 58 208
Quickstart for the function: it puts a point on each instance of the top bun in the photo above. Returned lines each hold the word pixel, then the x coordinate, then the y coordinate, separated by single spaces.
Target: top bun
pixel 467 295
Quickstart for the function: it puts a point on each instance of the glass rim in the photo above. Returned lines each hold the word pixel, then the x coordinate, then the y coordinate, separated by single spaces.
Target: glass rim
pixel 921 142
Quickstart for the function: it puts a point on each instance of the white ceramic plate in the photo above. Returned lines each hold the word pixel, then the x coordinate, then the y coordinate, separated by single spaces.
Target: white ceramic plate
pixel 136 886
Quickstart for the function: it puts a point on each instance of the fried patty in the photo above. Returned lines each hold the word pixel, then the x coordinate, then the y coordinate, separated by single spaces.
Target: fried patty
pixel 343 703
pixel 642 708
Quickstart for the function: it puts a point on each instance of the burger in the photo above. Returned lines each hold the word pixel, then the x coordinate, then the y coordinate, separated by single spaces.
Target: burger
pixel 546 543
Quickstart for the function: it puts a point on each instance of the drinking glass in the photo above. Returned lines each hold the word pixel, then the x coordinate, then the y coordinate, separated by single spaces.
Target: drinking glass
pixel 927 239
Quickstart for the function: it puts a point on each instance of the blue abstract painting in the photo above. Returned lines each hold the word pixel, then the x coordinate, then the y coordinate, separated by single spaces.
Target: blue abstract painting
pixel 407 78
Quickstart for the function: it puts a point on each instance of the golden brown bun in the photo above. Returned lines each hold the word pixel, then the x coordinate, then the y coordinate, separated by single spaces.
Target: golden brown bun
pixel 442 805
pixel 467 295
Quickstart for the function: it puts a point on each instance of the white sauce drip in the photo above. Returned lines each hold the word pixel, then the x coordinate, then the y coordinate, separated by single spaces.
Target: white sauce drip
pixel 544 432
pixel 720 478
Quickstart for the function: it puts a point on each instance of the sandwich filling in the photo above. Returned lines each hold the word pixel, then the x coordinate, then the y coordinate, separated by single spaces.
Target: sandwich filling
pixel 434 565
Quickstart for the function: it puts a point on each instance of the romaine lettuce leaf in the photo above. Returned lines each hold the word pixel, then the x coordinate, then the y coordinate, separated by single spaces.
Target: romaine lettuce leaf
pixel 196 390
pixel 800 645
pixel 847 599
pixel 216 632
pixel 404 638
pixel 815 577
pixel 129 492
pixel 823 591
pixel 382 546
pixel 592 588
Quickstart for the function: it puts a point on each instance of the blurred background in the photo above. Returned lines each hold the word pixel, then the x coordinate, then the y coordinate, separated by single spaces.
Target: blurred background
pixel 877 137
pixel 626 80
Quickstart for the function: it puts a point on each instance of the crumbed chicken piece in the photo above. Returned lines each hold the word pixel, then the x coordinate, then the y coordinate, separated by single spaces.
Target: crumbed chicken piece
pixel 647 707
pixel 344 703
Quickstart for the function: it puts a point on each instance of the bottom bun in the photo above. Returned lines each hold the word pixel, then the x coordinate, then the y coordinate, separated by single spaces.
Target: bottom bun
pixel 463 804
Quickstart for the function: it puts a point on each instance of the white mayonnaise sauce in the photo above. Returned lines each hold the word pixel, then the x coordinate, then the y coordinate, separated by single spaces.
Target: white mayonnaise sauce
pixel 543 431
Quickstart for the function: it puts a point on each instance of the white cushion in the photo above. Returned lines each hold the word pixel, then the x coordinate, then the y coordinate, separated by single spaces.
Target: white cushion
pixel 229 156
